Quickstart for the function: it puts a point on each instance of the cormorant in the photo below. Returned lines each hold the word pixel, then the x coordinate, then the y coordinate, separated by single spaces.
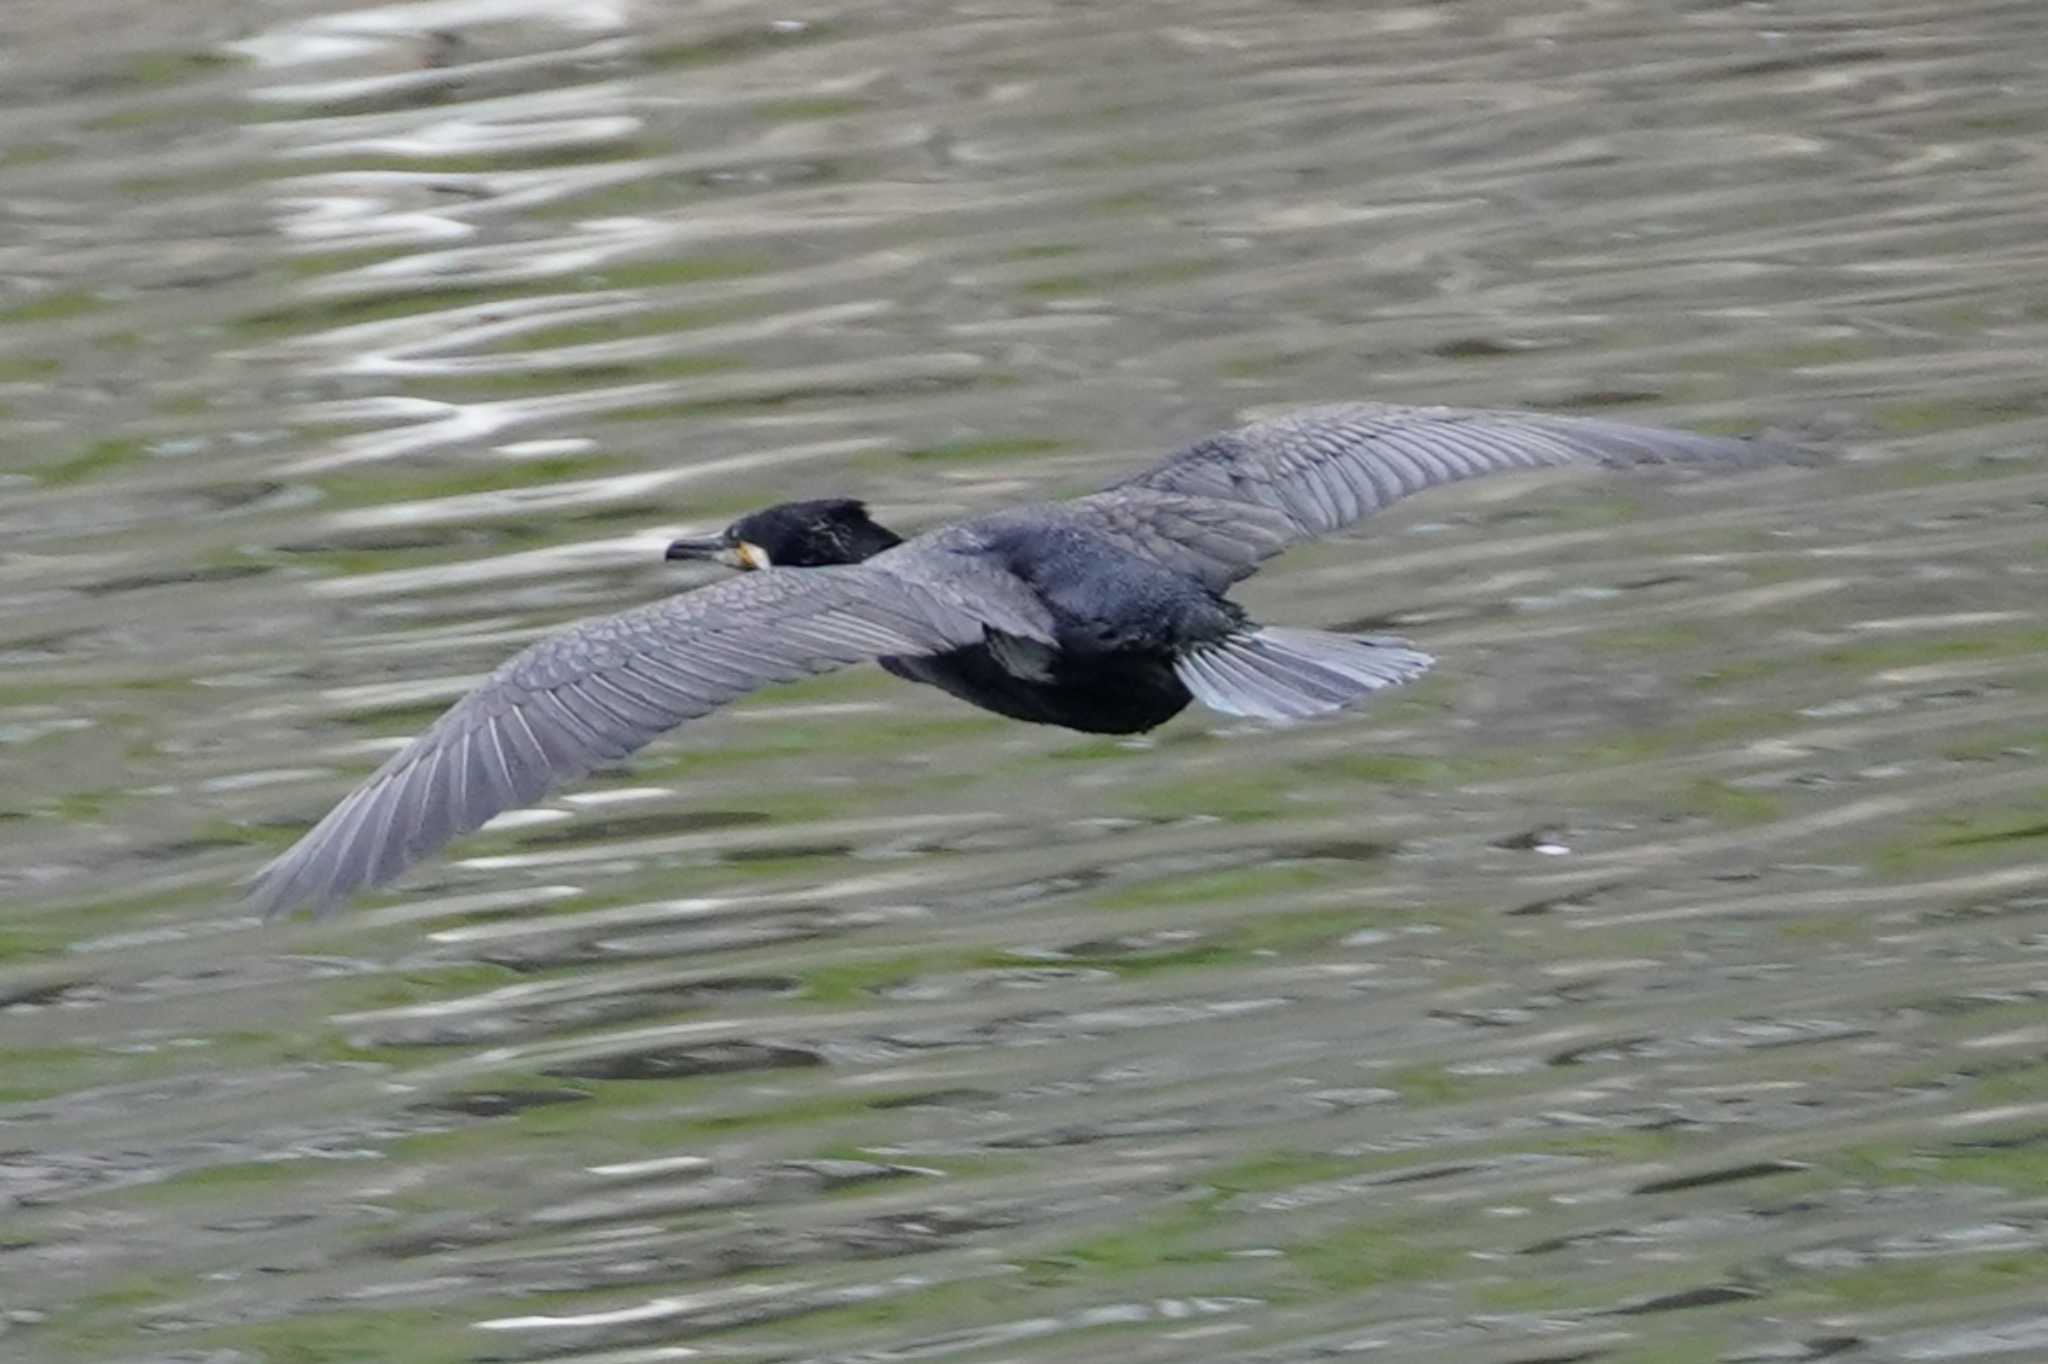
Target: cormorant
pixel 1105 613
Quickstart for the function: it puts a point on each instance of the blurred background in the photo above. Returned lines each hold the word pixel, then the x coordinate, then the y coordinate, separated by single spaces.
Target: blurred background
pixel 1660 980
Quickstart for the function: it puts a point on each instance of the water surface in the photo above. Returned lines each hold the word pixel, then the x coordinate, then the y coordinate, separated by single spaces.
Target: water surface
pixel 1661 980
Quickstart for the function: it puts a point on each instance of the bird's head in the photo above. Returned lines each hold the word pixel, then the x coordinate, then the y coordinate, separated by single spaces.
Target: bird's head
pixel 833 530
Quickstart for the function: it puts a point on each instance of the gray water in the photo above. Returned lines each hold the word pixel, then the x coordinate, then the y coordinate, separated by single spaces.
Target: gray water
pixel 1662 979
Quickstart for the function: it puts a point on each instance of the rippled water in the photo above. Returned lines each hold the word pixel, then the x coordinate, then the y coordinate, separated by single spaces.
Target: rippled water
pixel 1663 979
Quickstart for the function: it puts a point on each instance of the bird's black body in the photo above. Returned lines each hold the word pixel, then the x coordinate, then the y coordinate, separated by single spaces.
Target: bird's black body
pixel 1118 622
pixel 1095 695
pixel 1106 614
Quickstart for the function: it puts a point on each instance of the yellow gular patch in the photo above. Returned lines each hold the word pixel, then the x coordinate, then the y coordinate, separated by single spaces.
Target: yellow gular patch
pixel 752 555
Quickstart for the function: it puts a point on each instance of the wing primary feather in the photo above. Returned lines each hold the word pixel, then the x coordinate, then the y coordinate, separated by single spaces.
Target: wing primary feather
pixel 353 847
pixel 386 851
pixel 462 764
pixel 322 862
pixel 533 775
pixel 277 884
pixel 498 766
pixel 562 748
pixel 457 750
pixel 436 810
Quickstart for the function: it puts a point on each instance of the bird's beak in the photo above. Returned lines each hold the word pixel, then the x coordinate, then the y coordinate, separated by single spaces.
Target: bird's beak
pixel 741 555
pixel 695 549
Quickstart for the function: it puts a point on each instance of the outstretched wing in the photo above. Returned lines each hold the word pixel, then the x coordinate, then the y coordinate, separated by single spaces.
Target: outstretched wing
pixel 592 694
pixel 1226 503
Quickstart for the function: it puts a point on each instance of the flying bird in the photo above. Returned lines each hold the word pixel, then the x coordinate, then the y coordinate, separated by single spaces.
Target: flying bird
pixel 1106 613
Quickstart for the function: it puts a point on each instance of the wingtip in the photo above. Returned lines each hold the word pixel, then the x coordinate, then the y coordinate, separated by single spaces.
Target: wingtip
pixel 267 892
pixel 278 890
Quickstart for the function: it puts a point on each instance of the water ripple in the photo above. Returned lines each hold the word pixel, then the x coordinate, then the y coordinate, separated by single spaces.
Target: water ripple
pixel 1661 978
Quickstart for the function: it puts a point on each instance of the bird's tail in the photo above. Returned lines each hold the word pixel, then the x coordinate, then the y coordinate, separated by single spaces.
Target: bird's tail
pixel 1280 674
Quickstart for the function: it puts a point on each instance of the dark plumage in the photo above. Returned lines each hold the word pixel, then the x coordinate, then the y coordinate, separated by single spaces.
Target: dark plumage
pixel 1105 613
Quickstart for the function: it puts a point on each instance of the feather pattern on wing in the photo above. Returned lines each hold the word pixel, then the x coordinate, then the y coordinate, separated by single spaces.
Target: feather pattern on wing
pixel 1223 505
pixel 593 693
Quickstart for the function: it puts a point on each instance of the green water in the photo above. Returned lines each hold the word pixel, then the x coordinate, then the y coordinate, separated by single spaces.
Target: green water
pixel 1664 978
